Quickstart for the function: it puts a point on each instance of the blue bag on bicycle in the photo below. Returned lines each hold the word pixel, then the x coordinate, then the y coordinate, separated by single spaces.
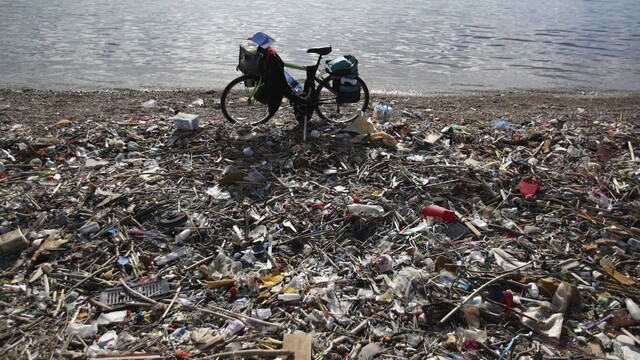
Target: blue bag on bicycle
pixel 344 69
pixel 343 65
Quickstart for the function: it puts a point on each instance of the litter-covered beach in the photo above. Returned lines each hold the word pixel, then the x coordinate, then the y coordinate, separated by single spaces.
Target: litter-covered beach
pixel 485 225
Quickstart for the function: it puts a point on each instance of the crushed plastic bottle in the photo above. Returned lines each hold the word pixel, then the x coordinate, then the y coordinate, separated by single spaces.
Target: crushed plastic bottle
pixel 163 259
pixel 359 209
pixel 82 330
pixel 232 328
pixel 150 104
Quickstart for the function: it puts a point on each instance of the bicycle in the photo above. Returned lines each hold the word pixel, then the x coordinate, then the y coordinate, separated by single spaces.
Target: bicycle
pixel 244 99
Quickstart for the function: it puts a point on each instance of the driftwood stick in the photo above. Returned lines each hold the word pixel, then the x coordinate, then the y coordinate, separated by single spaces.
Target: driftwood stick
pixel 470 296
pixel 149 300
pixel 226 314
pixel 253 352
pixel 171 304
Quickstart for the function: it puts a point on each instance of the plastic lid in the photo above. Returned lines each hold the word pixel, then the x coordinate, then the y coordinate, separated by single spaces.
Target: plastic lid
pixel 263 40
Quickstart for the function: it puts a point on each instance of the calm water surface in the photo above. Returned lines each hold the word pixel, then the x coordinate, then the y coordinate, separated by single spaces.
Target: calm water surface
pixel 402 45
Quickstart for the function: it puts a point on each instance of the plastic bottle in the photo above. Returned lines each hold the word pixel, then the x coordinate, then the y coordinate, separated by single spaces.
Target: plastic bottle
pixel 357 209
pixel 161 260
pixel 605 341
pixel 289 297
pixel 480 224
pixel 293 82
pixel 633 309
pixel 84 331
pixel 150 104
pixel 233 328
pixel 183 235
pixel 81 152
pixel 560 300
pixel 634 244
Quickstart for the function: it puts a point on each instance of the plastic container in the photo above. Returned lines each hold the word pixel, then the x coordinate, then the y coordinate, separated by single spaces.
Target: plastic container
pixel 480 224
pixel 110 337
pixel 382 113
pixel 88 230
pixel 12 242
pixel 634 244
pixel 249 59
pixel 184 121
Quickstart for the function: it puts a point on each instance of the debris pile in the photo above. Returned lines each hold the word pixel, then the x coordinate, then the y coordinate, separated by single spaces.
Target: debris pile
pixel 141 225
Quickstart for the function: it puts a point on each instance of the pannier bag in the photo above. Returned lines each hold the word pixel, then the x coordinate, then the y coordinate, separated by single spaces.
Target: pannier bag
pixel 250 59
pixel 347 84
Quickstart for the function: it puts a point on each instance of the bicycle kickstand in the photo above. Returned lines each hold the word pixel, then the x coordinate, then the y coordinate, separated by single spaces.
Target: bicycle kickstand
pixel 304 128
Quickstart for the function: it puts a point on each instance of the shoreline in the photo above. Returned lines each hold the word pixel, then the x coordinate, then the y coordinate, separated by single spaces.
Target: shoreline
pixel 465 107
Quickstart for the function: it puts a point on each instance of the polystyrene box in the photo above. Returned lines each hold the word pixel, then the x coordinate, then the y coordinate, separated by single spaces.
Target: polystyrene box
pixel 184 121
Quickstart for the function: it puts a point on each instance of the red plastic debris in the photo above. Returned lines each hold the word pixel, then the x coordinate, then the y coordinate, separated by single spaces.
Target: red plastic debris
pixel 434 210
pixel 527 187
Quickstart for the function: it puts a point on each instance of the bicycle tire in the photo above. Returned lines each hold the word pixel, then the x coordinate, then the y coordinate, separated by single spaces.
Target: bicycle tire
pixel 238 105
pixel 328 108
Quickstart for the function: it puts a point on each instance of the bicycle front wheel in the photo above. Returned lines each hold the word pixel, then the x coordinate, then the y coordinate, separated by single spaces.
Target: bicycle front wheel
pixel 338 108
pixel 244 101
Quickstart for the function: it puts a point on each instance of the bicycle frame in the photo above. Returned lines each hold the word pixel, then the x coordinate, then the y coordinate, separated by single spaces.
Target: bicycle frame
pixel 311 72
pixel 252 95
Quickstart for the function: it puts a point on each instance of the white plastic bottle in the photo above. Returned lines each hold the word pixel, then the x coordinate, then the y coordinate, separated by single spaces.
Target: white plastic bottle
pixel 633 309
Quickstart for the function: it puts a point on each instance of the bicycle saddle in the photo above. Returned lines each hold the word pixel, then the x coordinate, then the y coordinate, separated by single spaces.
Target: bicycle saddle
pixel 320 51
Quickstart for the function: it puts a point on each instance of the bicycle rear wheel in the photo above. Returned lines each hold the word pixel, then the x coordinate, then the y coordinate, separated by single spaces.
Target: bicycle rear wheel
pixel 243 101
pixel 331 108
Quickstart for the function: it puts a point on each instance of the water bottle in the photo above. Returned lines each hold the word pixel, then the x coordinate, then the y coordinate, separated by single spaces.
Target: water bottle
pixel 183 235
pixel 161 260
pixel 293 82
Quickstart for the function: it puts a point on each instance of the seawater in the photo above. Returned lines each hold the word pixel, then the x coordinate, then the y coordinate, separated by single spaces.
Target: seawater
pixel 402 45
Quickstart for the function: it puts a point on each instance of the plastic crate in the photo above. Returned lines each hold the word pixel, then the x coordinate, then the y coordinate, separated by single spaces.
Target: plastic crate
pixel 437 311
pixel 120 296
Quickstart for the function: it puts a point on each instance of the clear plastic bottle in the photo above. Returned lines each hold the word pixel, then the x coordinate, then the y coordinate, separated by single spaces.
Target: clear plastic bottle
pixel 183 235
pixel 161 260
pixel 633 309
pixel 358 209
pixel 84 331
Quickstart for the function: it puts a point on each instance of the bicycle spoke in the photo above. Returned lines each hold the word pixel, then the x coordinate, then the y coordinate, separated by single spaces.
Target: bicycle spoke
pixel 240 101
